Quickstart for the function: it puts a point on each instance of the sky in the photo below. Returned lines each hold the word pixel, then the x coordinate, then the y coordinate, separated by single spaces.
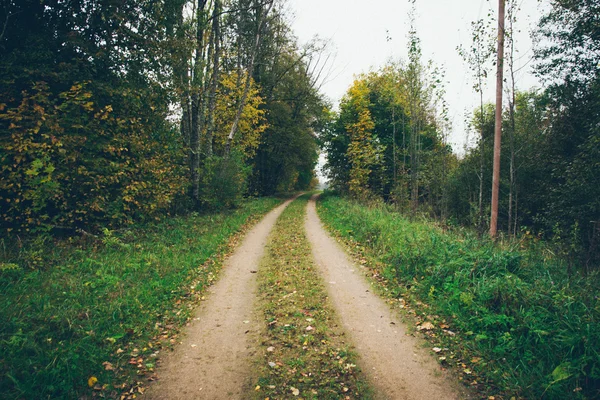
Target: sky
pixel 364 35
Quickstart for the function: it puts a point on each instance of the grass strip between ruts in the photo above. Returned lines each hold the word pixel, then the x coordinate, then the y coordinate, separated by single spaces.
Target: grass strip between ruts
pixel 91 324
pixel 304 352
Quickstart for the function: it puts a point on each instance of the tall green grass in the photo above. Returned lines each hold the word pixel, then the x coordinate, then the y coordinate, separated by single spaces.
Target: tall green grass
pixel 105 302
pixel 536 328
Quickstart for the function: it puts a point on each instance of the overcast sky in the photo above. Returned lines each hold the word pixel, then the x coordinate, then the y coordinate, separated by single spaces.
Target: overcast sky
pixel 359 30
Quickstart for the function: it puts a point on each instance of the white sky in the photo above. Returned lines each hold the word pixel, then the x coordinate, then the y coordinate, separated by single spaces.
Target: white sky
pixel 358 32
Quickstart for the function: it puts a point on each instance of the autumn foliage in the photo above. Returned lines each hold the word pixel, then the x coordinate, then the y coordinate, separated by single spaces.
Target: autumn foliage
pixel 72 159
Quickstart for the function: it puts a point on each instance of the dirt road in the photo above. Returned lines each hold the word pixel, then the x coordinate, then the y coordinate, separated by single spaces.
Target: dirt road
pixel 395 363
pixel 214 359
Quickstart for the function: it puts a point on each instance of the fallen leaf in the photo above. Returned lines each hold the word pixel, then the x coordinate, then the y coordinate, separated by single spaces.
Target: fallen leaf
pixel 108 366
pixel 437 349
pixel 272 364
pixel 270 349
pixel 426 326
pixel 295 391
pixel 310 328
pixel 92 381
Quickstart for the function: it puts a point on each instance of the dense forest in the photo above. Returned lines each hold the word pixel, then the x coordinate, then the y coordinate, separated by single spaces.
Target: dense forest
pixel 389 139
pixel 113 112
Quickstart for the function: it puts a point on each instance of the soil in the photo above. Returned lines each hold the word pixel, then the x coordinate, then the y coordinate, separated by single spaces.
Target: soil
pixel 396 363
pixel 214 359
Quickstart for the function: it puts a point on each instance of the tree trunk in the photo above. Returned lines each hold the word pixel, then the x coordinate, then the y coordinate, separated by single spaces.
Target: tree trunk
pixel 498 126
pixel 513 129
pixel 481 163
pixel 212 99
pixel 197 101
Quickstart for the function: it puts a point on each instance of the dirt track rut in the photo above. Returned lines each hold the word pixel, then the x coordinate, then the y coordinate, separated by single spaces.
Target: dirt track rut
pixel 394 362
pixel 214 359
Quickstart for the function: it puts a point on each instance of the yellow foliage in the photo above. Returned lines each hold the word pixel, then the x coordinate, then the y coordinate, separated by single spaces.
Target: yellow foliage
pixel 252 123
pixel 361 151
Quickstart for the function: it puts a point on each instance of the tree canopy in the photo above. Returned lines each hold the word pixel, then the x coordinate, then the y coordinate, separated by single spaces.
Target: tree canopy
pixel 112 112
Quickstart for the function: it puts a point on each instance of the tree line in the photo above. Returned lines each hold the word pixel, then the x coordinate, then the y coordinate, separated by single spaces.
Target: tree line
pixel 388 140
pixel 115 111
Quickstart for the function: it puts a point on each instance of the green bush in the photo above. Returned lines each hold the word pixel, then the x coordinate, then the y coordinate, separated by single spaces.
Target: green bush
pixel 225 181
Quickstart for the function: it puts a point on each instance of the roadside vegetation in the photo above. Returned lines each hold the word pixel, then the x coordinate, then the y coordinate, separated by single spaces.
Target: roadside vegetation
pixel 509 316
pixel 87 317
pixel 304 352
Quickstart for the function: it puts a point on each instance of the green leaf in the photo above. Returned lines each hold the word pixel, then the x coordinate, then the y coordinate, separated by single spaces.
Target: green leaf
pixel 561 373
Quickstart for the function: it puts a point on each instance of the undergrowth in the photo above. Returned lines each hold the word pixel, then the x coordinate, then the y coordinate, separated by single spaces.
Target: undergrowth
pixel 519 322
pixel 304 353
pixel 90 321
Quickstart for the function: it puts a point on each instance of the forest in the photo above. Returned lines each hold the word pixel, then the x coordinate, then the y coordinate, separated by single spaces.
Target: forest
pixel 389 140
pixel 114 112
pixel 141 139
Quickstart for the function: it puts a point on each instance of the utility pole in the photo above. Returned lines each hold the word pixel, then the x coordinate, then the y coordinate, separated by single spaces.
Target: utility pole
pixel 498 126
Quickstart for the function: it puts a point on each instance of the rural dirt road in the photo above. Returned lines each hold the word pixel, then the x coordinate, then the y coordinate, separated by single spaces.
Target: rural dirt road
pixel 396 365
pixel 214 359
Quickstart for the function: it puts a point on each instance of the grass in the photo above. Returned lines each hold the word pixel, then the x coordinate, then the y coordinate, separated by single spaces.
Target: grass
pixel 511 319
pixel 304 352
pixel 90 321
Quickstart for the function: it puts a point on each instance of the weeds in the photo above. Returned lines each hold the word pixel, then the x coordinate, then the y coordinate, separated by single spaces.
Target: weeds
pixel 524 326
pixel 304 353
pixel 91 322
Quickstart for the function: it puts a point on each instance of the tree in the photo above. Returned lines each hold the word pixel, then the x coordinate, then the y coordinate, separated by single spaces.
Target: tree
pixel 83 105
pixel 498 125
pixel 372 148
pixel 289 77
pixel 478 58
pixel 361 150
pixel 568 61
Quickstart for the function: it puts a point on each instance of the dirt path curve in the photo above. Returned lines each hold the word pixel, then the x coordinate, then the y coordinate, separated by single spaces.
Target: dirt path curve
pixel 396 365
pixel 214 359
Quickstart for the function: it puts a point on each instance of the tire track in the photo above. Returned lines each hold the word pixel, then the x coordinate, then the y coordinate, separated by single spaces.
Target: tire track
pixel 394 362
pixel 214 359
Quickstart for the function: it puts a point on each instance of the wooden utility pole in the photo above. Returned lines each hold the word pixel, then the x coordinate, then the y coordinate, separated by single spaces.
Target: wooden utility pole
pixel 498 127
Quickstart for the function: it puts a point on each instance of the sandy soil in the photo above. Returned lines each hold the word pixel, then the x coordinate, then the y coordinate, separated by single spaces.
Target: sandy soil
pixel 214 359
pixel 395 363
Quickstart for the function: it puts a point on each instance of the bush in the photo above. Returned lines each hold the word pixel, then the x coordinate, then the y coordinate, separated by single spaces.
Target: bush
pixel 225 181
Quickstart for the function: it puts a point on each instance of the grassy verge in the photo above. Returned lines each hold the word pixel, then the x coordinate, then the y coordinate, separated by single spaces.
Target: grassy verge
pixel 511 320
pixel 91 323
pixel 304 352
